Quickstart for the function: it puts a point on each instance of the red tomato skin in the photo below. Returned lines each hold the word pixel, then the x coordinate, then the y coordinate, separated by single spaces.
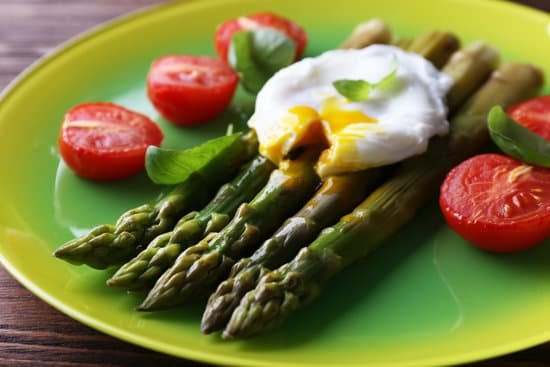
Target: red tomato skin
pixel 534 114
pixel 107 163
pixel 523 229
pixel 225 31
pixel 191 102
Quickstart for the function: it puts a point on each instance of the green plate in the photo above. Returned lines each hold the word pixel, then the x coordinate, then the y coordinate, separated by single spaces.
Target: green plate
pixel 425 297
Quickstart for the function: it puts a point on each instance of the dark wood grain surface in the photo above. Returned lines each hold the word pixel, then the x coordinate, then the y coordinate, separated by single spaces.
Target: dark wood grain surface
pixel 31 332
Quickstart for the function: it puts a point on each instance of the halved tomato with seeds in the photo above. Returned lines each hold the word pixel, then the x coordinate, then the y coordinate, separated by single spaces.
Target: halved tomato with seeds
pixel 498 203
pixel 105 141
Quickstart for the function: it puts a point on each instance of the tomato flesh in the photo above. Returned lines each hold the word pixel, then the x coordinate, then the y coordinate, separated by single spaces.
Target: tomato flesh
pixel 497 203
pixel 225 31
pixel 189 90
pixel 104 141
pixel 534 114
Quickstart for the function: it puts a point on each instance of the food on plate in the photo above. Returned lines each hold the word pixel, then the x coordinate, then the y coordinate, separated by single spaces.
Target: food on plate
pixel 497 203
pixel 142 271
pixel 332 130
pixel 226 30
pixel 282 291
pixel 108 245
pixel 189 90
pixel 104 141
pixel 473 63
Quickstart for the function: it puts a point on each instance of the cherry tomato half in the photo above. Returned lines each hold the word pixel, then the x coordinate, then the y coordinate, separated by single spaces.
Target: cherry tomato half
pixel 189 90
pixel 534 114
pixel 497 203
pixel 104 141
pixel 225 31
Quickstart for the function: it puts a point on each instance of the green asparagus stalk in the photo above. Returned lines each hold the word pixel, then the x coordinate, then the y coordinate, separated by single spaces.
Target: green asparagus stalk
pixel 386 210
pixel 108 245
pixel 143 270
pixel 473 63
pixel 205 264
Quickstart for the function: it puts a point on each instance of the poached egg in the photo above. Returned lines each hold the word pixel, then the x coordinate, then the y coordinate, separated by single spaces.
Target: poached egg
pixel 299 106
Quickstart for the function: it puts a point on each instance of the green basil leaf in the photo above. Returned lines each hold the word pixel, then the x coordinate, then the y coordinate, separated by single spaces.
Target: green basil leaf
pixel 257 54
pixel 251 76
pixel 359 90
pixel 354 90
pixel 169 167
pixel 272 50
pixel 516 140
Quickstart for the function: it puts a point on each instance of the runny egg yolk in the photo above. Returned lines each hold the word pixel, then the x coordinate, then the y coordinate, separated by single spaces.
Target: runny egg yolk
pixel 304 126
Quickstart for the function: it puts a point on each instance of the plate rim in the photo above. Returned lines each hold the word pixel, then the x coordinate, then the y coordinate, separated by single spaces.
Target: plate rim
pixel 190 353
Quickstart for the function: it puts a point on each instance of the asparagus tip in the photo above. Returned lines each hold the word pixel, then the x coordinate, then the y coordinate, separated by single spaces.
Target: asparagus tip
pixel 124 280
pixel 150 304
pixel 145 307
pixel 228 295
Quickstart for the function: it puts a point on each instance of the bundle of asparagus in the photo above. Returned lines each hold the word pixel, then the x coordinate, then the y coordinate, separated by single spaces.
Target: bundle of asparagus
pixel 182 254
pixel 143 270
pixel 288 187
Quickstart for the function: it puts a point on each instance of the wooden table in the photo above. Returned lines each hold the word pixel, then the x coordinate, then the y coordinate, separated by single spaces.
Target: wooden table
pixel 31 332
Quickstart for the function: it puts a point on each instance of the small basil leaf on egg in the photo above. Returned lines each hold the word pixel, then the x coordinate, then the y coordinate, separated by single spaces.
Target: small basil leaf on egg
pixel 359 90
pixel 169 167
pixel 517 140
pixel 257 54
pixel 354 90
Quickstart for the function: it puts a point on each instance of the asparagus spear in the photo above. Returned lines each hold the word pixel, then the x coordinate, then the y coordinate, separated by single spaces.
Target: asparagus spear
pixel 282 291
pixel 108 245
pixel 143 270
pixel 468 67
pixel 207 262
pixel 438 54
